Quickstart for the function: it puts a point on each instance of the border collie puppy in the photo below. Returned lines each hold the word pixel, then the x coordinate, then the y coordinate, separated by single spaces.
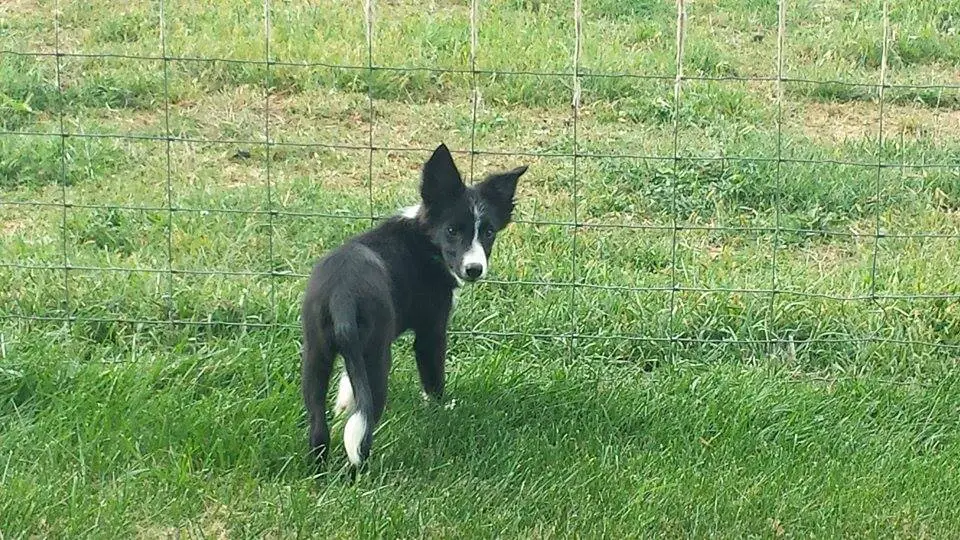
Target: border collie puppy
pixel 396 277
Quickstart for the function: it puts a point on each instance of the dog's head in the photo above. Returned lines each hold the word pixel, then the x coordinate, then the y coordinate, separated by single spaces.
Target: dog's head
pixel 463 221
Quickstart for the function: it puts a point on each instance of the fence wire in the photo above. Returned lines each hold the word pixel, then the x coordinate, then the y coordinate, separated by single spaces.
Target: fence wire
pixel 569 331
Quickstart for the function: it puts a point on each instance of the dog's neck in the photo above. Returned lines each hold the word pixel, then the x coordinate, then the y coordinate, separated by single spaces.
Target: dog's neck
pixel 414 213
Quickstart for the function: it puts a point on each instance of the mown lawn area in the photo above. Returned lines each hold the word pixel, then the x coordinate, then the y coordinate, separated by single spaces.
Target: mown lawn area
pixel 693 328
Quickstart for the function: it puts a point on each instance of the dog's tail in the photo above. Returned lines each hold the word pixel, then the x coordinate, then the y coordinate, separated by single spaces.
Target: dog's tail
pixel 349 339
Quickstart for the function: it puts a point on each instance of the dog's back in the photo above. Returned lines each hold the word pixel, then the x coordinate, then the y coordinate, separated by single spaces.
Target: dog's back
pixel 349 287
pixel 394 264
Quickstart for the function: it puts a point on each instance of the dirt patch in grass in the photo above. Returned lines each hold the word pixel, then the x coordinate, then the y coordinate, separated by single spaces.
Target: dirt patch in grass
pixel 322 116
pixel 134 122
pixel 230 114
pixel 19 7
pixel 837 122
pixel 211 524
pixel 826 256
pixel 12 227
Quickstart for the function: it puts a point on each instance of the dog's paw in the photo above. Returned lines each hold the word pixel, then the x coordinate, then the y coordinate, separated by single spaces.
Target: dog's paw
pixel 427 398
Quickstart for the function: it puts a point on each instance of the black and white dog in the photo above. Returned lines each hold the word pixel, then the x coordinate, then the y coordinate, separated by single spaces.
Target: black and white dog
pixel 396 277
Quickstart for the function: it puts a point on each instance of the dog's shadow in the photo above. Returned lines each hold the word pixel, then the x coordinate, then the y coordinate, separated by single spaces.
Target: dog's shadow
pixel 478 425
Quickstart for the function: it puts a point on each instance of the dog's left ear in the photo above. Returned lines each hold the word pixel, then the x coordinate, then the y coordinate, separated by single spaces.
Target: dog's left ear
pixel 440 180
pixel 500 188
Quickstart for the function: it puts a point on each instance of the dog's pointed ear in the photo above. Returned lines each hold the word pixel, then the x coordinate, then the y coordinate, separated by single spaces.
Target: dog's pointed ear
pixel 441 181
pixel 500 188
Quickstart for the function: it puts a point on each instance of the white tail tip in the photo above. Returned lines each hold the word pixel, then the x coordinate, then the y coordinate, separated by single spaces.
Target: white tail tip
pixel 353 434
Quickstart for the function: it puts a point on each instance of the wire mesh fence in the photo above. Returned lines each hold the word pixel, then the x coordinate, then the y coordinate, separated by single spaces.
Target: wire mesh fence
pixel 569 329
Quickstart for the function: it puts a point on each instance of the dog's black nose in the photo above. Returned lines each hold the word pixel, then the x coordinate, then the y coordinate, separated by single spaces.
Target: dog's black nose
pixel 474 271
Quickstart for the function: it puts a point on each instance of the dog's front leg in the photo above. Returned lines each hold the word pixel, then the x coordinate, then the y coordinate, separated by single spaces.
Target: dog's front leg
pixel 430 347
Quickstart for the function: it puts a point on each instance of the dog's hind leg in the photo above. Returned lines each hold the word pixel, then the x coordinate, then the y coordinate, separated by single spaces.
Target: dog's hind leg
pixel 315 368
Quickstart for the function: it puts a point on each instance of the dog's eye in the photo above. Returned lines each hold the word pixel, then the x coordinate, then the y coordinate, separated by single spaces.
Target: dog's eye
pixel 451 231
pixel 488 232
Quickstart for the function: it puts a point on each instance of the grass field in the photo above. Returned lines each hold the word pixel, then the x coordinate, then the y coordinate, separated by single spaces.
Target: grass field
pixel 620 378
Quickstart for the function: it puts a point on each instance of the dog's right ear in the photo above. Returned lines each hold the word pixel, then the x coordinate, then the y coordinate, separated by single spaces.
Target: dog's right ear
pixel 441 181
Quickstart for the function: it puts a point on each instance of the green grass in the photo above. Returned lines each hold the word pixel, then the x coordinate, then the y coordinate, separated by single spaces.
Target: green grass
pixel 621 407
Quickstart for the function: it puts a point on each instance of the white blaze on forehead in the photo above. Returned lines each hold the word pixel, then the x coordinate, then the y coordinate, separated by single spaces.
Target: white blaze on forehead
pixel 475 255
